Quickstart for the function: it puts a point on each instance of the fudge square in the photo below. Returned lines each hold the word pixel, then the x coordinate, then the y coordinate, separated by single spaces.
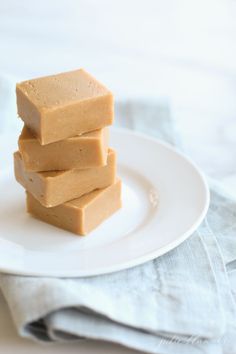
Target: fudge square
pixel 56 187
pixel 61 106
pixel 80 215
pixel 83 151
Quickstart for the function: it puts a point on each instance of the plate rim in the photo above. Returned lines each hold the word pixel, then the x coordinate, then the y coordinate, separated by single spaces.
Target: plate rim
pixel 138 260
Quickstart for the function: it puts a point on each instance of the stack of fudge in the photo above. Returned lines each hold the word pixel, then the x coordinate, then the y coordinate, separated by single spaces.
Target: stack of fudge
pixel 64 161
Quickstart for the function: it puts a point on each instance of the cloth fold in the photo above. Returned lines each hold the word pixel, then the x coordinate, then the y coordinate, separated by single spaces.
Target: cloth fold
pixel 182 302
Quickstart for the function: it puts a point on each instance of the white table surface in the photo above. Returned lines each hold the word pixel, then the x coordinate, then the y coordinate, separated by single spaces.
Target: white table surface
pixel 180 49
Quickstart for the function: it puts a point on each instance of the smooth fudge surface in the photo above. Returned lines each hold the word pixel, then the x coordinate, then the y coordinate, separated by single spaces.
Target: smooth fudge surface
pixel 61 106
pixel 83 151
pixel 56 187
pixel 80 215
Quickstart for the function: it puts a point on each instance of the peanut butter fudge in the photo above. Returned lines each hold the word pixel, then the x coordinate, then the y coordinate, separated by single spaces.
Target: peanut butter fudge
pixel 83 151
pixel 80 215
pixel 56 187
pixel 61 106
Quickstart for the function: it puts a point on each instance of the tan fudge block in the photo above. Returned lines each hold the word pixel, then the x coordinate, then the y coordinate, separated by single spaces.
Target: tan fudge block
pixel 61 106
pixel 80 215
pixel 83 151
pixel 56 187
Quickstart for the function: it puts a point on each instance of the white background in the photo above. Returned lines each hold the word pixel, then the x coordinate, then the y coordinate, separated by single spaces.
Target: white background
pixel 183 50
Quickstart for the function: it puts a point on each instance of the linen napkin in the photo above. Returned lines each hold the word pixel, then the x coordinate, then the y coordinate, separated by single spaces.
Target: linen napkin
pixel 182 302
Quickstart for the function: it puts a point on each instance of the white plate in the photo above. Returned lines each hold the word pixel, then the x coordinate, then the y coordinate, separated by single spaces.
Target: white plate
pixel 165 198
